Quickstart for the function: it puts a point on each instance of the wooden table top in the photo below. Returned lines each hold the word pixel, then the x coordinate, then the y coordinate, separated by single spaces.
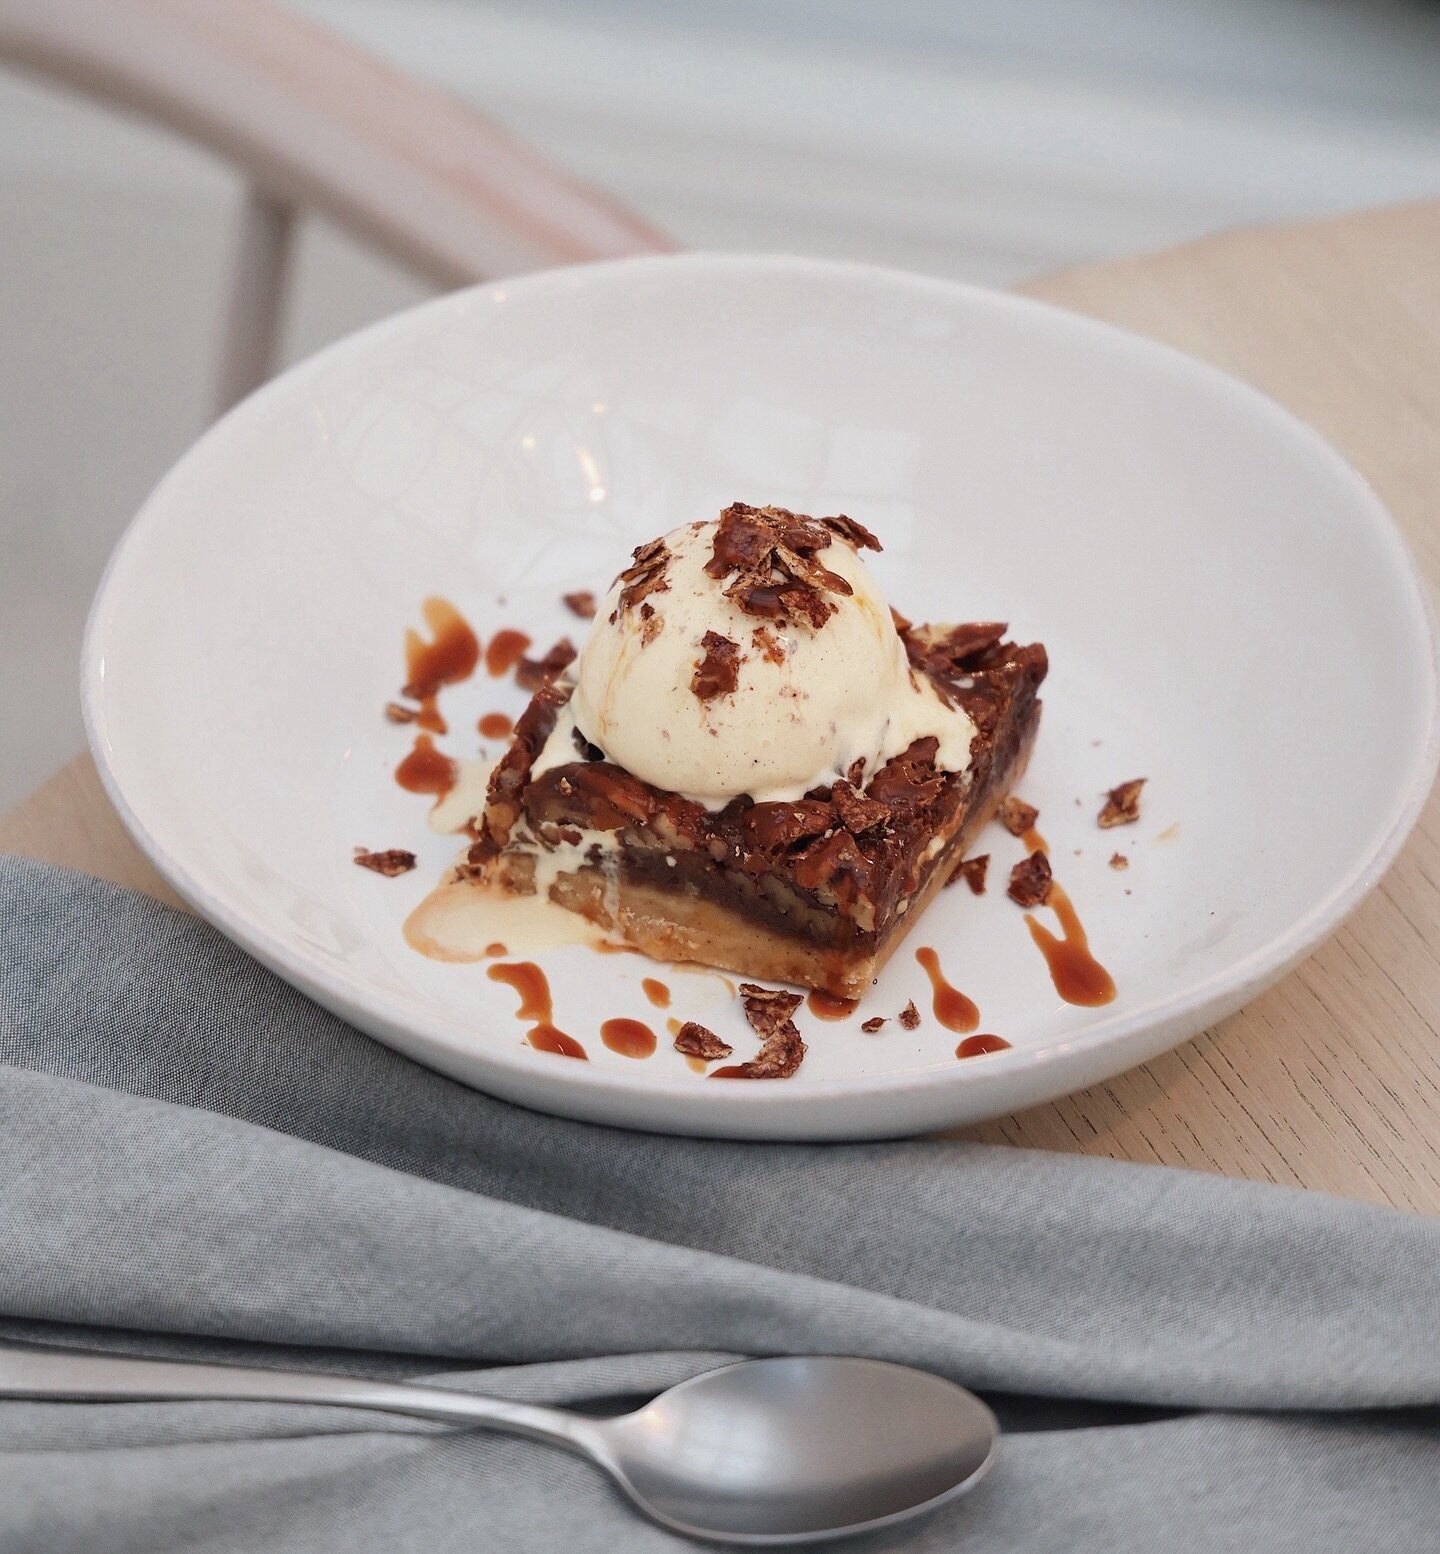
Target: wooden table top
pixel 1331 1080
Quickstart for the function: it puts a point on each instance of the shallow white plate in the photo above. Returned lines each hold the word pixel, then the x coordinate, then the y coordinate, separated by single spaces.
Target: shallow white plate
pixel 1228 609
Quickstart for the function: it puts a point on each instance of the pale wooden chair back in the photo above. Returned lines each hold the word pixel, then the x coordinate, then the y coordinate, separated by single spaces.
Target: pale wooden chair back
pixel 314 123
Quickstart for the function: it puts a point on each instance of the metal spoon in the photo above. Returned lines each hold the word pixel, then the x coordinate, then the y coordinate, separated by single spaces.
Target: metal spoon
pixel 766 1451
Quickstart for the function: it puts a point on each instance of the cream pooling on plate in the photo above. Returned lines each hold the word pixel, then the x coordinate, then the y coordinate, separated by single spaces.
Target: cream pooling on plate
pixel 809 699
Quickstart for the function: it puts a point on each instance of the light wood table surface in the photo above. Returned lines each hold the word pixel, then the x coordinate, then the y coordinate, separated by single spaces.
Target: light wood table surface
pixel 1332 1079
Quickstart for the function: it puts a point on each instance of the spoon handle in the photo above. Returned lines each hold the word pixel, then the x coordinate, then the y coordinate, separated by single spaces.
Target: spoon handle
pixel 69 1376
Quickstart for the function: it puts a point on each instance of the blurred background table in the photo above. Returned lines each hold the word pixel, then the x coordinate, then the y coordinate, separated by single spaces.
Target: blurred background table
pixel 1331 1080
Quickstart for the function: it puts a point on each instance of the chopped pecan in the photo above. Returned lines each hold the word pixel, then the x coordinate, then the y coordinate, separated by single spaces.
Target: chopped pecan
pixel 858 814
pixel 393 861
pixel 532 673
pixel 695 1041
pixel 581 604
pixel 1016 815
pixel 598 796
pixel 973 872
pixel 848 529
pixel 768 1009
pixel 645 574
pixel 873 1024
pixel 773 826
pixel 1030 881
pixel 910 780
pixel 1122 804
pixel 718 672
pixel 835 864
pixel 910 1016
pixel 1119 861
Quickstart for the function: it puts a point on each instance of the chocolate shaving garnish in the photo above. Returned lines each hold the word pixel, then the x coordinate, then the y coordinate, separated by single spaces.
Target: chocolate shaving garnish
pixel 973 872
pixel 718 672
pixel 910 1016
pixel 695 1041
pixel 393 861
pixel 764 641
pixel 581 604
pixel 398 712
pixel 532 673
pixel 1122 804
pixel 781 1052
pixel 848 529
pixel 773 553
pixel 1119 861
pixel 857 813
pixel 1016 815
pixel 1030 881
pixel 645 575
pixel 873 1024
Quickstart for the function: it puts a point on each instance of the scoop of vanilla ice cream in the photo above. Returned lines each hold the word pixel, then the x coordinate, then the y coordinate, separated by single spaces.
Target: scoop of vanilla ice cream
pixel 801 713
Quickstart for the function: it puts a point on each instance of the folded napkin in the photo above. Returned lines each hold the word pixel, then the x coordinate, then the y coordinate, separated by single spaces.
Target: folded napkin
pixel 199 1163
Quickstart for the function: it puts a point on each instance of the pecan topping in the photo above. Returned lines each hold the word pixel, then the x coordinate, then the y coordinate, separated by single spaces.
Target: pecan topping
pixel 910 780
pixel 773 553
pixel 695 1041
pixel 502 798
pixel 775 825
pixel 973 872
pixel 781 1051
pixel 1119 861
pixel 873 1024
pixel 532 673
pixel 1016 815
pixel 857 813
pixel 598 795
pixel 1030 881
pixel 645 575
pixel 393 861
pixel 848 529
pixel 718 672
pixel 910 1016
pixel 1122 804
pixel 581 604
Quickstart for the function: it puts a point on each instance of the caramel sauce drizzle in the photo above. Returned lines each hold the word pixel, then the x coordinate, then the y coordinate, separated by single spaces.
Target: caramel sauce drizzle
pixel 535 1004
pixel 426 769
pixel 1078 977
pixel 826 1006
pixel 449 657
pixel 495 725
pixel 630 1038
pixel 507 648
pixel 657 993
pixel 974 1046
pixel 1033 842
pixel 952 1008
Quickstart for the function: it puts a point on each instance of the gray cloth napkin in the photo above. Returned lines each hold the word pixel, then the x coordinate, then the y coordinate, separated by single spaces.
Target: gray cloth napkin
pixel 195 1161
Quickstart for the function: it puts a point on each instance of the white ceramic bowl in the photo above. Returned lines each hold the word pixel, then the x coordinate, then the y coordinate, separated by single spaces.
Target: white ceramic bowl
pixel 1228 609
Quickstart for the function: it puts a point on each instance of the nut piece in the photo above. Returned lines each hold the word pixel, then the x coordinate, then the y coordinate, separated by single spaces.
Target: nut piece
pixel 532 673
pixel 1030 881
pixel 973 872
pixel 581 604
pixel 782 1051
pixel 718 672
pixel 873 1023
pixel 773 553
pixel 695 1041
pixel 1122 804
pixel 393 861
pixel 1016 815
pixel 645 574
pixel 1119 861
pixel 850 529
pixel 910 1016
pixel 857 813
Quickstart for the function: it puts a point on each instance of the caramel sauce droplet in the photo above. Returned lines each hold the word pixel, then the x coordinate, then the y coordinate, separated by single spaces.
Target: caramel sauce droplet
pixel 953 1010
pixel 496 949
pixel 1078 977
pixel 495 725
pixel 974 1046
pixel 534 989
pixel 507 648
pixel 426 769
pixel 656 992
pixel 826 1006
pixel 630 1038
pixel 449 657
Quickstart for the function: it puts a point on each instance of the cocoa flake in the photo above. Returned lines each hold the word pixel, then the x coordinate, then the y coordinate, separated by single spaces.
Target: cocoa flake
pixel 1030 881
pixel 1122 804
pixel 1016 815
pixel 581 604
pixel 782 1050
pixel 390 862
pixel 696 1041
pixel 718 672
pixel 768 1009
pixel 645 574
